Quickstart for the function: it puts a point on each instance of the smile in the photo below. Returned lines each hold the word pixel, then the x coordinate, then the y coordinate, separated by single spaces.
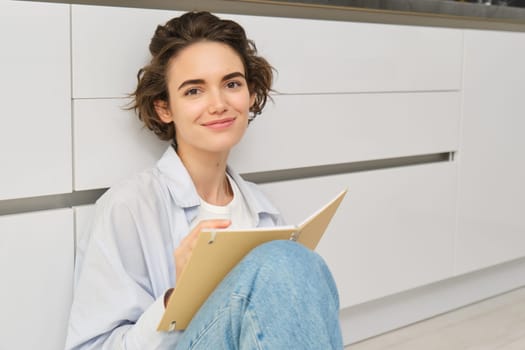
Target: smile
pixel 219 123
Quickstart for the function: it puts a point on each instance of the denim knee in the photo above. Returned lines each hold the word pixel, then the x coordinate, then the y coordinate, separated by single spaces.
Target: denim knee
pixel 293 261
pixel 283 250
pixel 280 296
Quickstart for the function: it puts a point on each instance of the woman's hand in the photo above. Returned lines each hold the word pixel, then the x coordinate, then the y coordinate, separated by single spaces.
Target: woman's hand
pixel 183 251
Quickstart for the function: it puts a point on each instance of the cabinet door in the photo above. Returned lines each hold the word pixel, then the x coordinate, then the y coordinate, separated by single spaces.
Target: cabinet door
pixel 394 230
pixel 36 265
pixel 299 131
pixel 35 132
pixel 310 56
pixel 294 132
pixel 491 226
pixel 321 56
pixel 110 143
pixel 110 45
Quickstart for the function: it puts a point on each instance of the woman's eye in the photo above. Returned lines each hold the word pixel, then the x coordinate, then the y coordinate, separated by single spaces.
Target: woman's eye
pixel 192 91
pixel 233 84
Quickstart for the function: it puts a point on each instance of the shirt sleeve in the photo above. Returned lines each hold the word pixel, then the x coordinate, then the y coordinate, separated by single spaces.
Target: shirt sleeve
pixel 114 304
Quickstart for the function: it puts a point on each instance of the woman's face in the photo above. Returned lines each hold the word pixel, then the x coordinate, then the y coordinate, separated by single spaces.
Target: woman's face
pixel 209 99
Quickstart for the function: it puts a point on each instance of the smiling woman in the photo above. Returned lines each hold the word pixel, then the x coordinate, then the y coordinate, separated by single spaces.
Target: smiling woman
pixel 209 100
pixel 176 35
pixel 203 81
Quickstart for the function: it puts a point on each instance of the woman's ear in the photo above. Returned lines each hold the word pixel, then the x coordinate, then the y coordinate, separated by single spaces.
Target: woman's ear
pixel 252 99
pixel 163 111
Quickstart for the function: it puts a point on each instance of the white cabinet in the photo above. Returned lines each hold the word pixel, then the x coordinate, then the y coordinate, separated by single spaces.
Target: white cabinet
pixel 36 265
pixel 331 125
pixel 110 143
pixel 299 131
pixel 320 56
pixel 110 45
pixel 35 136
pixel 394 230
pixel 491 226
pixel 346 92
pixel 311 56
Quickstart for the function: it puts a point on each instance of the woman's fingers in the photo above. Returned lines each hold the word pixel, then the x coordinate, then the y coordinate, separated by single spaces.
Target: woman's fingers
pixel 183 252
pixel 206 224
pixel 210 224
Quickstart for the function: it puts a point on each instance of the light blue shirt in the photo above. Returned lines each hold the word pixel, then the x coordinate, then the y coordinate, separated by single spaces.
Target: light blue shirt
pixel 125 265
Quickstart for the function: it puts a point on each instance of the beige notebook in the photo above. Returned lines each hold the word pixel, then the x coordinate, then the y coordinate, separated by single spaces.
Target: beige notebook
pixel 218 251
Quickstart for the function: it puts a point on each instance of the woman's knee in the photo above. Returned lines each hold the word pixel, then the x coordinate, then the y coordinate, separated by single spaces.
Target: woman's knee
pixel 282 253
pixel 291 260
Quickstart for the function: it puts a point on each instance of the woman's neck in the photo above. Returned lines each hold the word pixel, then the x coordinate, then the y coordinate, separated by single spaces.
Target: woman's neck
pixel 208 172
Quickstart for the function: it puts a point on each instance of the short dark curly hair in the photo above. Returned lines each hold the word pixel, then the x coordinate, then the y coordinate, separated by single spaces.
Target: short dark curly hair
pixel 179 33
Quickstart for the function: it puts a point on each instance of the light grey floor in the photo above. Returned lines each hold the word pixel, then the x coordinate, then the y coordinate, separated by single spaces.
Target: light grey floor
pixel 493 324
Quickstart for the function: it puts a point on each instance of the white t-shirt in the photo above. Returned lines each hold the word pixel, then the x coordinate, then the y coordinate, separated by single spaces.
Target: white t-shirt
pixel 237 210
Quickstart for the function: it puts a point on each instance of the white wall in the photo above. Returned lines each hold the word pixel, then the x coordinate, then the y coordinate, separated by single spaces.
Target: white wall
pixel 356 92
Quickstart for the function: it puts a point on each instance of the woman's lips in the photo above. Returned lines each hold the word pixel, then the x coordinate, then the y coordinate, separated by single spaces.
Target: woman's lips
pixel 219 123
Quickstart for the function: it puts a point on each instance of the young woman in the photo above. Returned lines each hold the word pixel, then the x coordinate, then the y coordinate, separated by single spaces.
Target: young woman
pixel 203 82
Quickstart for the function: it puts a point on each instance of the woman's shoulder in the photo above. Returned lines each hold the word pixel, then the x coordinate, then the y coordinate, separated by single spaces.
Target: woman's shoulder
pixel 131 205
pixel 142 188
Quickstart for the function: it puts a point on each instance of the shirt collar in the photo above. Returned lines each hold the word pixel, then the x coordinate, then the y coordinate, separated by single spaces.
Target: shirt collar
pixel 180 184
pixel 184 193
pixel 257 202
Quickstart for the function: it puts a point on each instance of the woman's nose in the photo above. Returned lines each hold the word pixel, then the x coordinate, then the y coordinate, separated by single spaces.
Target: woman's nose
pixel 217 103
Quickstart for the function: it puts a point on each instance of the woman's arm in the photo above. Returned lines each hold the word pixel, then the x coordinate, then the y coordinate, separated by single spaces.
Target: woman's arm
pixel 116 304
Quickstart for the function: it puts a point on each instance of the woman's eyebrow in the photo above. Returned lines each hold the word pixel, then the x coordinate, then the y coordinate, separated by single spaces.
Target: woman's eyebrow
pixel 191 82
pixel 201 81
pixel 233 75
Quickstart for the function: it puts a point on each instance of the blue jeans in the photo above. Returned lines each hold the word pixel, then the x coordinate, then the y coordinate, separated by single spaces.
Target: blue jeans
pixel 280 296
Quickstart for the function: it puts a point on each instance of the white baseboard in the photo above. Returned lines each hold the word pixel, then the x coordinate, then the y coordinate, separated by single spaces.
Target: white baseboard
pixel 386 314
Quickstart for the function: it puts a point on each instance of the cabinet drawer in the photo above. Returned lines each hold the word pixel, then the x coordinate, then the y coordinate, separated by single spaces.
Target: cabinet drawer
pixel 110 143
pixel 110 44
pixel 302 131
pixel 321 56
pixel 294 132
pixel 394 230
